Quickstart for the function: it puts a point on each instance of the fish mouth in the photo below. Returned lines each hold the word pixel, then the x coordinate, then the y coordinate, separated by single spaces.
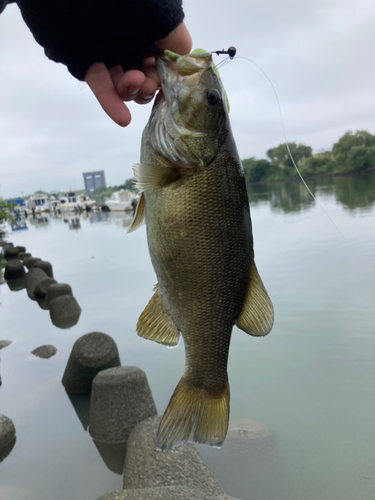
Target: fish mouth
pixel 186 70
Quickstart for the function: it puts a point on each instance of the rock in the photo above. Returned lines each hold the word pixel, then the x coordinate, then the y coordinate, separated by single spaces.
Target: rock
pixel 21 249
pixel 33 278
pixel 14 269
pixel 147 468
pixel 120 399
pixel 24 255
pixel 30 261
pixel 42 287
pixel 164 493
pixel 58 290
pixel 91 353
pixel 46 266
pixel 4 343
pixel 7 431
pixel 64 311
pixel 44 351
pixel 11 252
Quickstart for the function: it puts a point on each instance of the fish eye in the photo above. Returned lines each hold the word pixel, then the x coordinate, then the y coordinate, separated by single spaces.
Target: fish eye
pixel 213 97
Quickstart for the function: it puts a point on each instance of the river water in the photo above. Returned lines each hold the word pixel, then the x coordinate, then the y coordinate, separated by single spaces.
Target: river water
pixel 310 382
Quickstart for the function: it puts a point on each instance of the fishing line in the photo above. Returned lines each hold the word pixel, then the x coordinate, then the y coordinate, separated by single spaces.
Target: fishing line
pixel 231 53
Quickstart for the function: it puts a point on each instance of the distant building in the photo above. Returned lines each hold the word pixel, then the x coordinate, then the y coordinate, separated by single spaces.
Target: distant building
pixel 94 180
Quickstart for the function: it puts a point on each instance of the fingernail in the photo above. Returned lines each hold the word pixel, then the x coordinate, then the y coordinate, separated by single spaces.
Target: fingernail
pixel 133 93
pixel 147 97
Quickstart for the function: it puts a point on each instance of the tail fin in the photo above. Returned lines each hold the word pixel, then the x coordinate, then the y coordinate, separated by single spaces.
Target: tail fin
pixel 194 415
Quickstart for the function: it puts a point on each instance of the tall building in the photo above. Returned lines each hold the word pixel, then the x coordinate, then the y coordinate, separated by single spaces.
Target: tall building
pixel 94 180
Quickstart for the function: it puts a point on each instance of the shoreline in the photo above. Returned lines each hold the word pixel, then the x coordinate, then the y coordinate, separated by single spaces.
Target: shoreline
pixel 318 176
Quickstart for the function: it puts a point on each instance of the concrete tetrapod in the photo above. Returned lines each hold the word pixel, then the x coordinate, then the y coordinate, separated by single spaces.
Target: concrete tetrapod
pixel 64 311
pixel 90 354
pixel 120 399
pixel 30 261
pixel 164 493
pixel 42 287
pixel 14 269
pixel 7 431
pixel 11 252
pixel 33 278
pixel 46 266
pixel 145 467
pixel 57 290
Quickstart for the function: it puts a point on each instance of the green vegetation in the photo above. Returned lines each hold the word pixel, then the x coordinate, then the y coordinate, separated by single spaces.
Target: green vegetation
pixel 4 216
pixel 352 153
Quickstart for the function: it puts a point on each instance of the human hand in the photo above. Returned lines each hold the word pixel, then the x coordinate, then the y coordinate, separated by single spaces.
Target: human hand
pixel 112 87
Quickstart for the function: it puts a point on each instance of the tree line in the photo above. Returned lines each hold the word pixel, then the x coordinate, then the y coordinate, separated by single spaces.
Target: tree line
pixel 352 153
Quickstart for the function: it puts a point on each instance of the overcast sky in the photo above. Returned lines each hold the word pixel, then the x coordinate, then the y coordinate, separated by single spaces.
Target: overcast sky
pixel 319 55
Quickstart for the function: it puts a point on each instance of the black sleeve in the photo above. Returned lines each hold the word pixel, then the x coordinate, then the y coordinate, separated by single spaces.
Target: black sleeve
pixel 4 3
pixel 79 33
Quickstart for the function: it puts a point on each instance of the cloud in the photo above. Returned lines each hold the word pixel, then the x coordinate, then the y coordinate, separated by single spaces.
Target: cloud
pixel 317 54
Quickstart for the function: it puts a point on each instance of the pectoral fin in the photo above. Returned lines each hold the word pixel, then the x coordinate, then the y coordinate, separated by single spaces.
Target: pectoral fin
pixel 256 317
pixel 152 176
pixel 155 323
pixel 139 216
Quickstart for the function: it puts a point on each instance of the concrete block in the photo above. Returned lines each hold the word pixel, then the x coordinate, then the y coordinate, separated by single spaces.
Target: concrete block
pixel 46 266
pixel 14 269
pixel 11 252
pixel 147 468
pixel 30 261
pixel 33 277
pixel 90 354
pixel 64 311
pixel 17 284
pixel 24 255
pixel 164 493
pixel 57 290
pixel 42 286
pixel 7 431
pixel 120 399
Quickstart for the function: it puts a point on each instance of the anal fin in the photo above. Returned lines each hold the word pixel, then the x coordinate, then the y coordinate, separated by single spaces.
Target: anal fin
pixel 256 317
pixel 155 323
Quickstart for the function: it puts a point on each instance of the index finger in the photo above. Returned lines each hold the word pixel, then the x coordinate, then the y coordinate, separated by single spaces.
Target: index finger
pixel 99 80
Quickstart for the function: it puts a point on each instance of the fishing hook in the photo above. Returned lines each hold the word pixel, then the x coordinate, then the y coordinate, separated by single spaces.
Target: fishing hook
pixel 231 52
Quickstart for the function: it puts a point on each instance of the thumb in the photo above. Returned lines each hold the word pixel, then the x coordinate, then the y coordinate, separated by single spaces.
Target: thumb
pixel 178 40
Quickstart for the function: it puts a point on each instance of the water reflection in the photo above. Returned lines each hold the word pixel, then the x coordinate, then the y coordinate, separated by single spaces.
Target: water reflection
pixel 73 221
pixel 354 192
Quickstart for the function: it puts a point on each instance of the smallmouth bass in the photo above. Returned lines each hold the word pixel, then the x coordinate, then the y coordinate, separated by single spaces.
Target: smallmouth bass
pixel 194 201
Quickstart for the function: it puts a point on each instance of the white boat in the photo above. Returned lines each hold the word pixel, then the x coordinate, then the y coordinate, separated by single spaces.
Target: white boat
pixel 120 201
pixel 69 201
pixel 37 202
pixel 54 202
pixel 86 203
